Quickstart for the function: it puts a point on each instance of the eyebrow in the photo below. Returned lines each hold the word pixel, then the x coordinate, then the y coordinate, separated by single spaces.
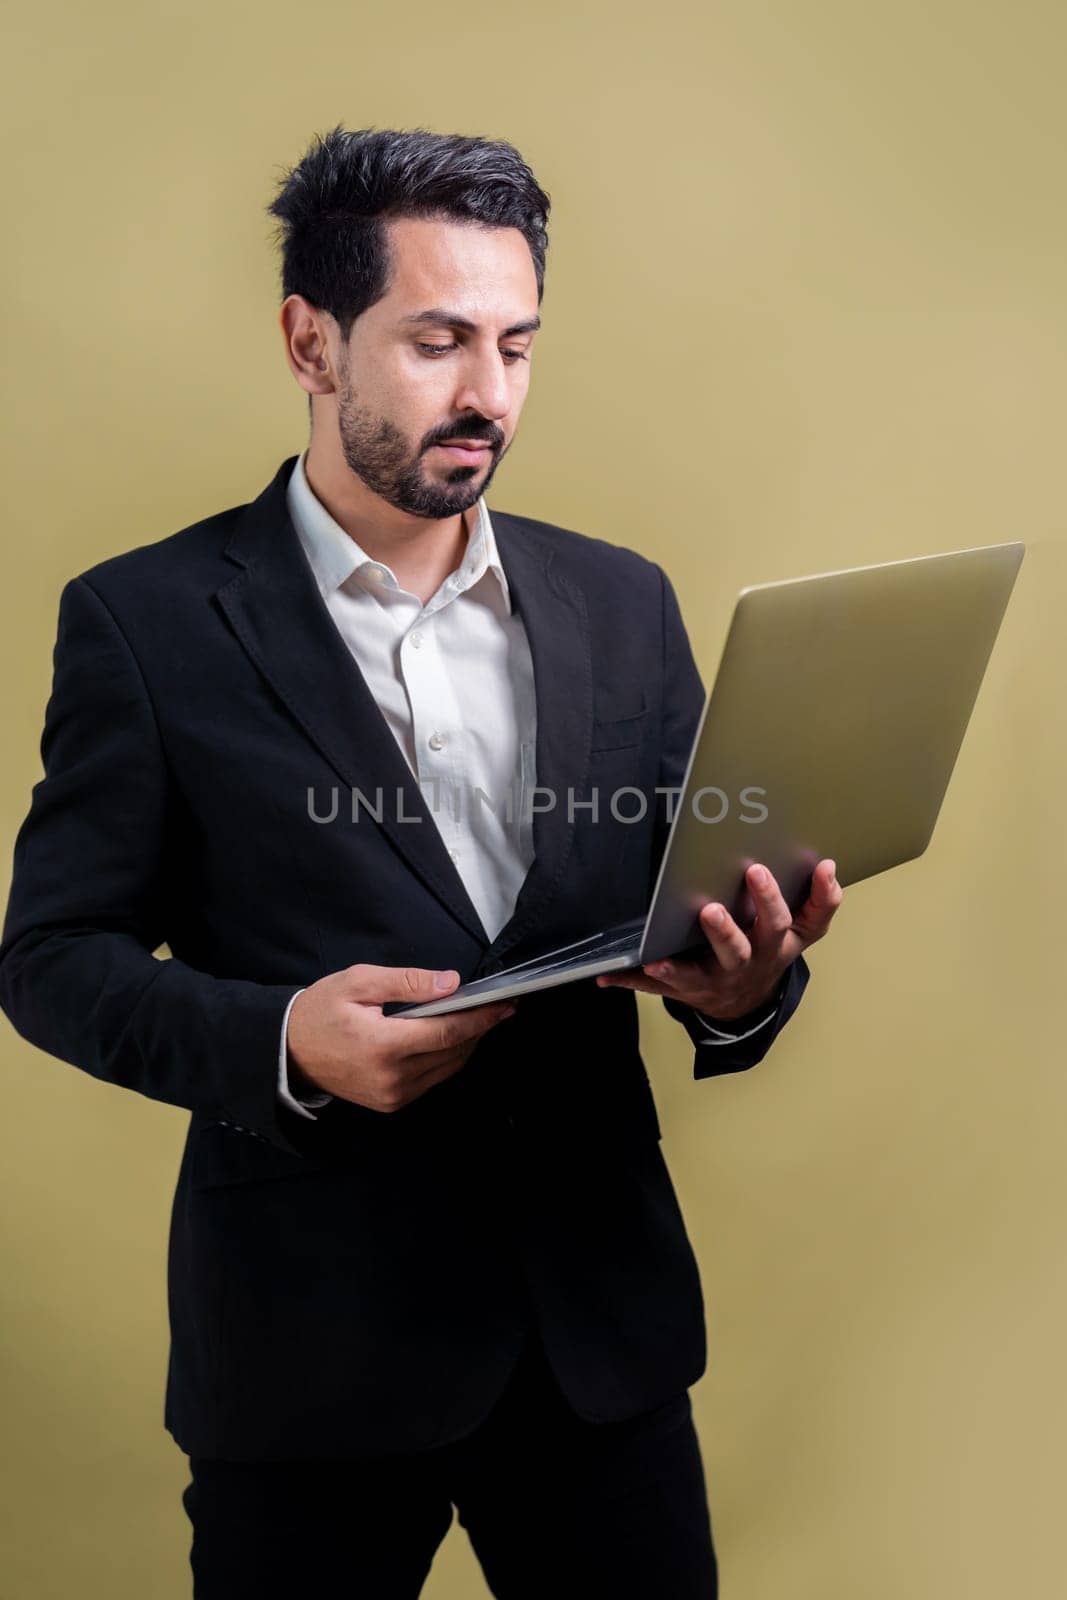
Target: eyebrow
pixel 440 318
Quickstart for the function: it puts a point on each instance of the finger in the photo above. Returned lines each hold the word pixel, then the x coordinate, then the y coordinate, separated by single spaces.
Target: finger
pixel 421 1071
pixel 427 1067
pixel 683 972
pixel 418 1035
pixel 637 981
pixel 415 1074
pixel 372 985
pixel 731 946
pixel 773 916
pixel 824 897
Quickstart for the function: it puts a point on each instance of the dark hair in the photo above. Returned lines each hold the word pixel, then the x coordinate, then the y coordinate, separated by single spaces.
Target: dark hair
pixel 332 206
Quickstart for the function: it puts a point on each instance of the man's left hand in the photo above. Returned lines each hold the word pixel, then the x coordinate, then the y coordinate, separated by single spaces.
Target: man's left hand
pixel 740 972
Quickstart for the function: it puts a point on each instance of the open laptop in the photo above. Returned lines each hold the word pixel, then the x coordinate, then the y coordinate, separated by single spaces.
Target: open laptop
pixel 832 729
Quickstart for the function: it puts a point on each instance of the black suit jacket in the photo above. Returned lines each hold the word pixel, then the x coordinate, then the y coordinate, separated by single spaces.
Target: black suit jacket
pixel 362 1282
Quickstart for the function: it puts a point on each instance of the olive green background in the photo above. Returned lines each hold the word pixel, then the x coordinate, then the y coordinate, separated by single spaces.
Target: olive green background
pixel 805 308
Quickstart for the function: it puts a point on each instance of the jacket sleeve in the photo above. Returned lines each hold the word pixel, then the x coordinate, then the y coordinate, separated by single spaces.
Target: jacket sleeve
pixel 719 1047
pixel 88 901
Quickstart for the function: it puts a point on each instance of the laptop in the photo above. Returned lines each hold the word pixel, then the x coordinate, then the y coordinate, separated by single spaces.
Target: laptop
pixel 832 729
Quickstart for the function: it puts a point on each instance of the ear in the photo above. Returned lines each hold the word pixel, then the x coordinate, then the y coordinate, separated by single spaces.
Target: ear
pixel 307 344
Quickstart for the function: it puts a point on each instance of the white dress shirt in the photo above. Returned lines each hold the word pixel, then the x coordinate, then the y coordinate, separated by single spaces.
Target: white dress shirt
pixel 454 681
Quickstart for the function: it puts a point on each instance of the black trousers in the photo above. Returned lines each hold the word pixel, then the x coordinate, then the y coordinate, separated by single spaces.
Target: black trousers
pixel 553 1506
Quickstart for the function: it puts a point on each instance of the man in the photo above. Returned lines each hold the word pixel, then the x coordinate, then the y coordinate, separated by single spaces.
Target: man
pixel 413 1264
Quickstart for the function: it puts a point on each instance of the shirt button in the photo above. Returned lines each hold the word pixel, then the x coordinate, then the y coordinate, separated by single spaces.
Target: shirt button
pixel 435 741
pixel 454 854
pixel 375 572
pixel 416 639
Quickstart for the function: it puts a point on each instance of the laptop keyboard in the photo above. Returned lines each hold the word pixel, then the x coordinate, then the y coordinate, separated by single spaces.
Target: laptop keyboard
pixel 591 950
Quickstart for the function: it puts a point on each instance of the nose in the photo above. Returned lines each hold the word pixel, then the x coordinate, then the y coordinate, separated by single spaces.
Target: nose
pixel 484 387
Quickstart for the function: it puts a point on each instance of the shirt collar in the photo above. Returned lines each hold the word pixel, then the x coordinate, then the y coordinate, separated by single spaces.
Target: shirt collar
pixel 334 555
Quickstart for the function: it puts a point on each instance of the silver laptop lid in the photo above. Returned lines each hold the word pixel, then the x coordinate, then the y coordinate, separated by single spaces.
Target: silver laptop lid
pixel 835 720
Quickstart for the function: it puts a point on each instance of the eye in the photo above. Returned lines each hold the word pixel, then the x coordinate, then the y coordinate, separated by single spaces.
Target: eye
pixel 443 349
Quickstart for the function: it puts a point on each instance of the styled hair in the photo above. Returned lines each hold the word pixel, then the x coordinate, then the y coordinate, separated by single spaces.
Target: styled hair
pixel 332 207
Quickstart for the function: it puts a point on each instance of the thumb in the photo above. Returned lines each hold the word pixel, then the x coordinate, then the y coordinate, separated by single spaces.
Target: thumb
pixel 372 984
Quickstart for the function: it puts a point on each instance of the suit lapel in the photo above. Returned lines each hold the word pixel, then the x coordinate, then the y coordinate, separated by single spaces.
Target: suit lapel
pixel 275 609
pixel 553 610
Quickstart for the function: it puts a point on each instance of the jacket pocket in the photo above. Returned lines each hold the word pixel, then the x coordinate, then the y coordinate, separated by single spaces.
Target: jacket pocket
pixel 618 719
pixel 225 1153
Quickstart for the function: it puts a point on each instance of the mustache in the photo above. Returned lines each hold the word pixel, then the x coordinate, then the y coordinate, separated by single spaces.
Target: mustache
pixel 491 438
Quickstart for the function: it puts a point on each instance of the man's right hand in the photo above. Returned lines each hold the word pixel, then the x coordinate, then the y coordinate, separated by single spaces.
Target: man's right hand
pixel 339 1042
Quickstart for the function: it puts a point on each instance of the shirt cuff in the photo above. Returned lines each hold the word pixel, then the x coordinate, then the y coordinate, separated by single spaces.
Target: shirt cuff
pixel 724 1033
pixel 285 1095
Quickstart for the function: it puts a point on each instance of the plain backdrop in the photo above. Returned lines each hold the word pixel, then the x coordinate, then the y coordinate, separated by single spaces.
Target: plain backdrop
pixel 804 309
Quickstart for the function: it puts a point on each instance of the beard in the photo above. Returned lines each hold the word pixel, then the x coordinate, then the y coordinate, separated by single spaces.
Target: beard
pixel 381 457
